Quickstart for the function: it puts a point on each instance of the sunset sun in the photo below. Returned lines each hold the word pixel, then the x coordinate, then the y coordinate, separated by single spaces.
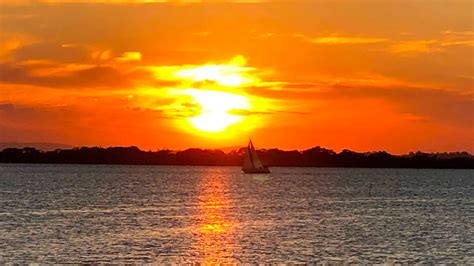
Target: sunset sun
pixel 212 95
pixel 215 107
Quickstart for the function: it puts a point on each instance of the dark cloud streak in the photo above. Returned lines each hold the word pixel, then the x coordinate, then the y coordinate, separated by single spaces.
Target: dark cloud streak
pixel 94 76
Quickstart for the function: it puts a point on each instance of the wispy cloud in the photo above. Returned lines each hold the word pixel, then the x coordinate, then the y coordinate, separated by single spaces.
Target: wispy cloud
pixel 459 33
pixel 452 38
pixel 431 103
pixel 10 42
pixel 418 46
pixel 334 39
pixel 440 44
pixel 64 77
pixel 21 2
pixel 129 56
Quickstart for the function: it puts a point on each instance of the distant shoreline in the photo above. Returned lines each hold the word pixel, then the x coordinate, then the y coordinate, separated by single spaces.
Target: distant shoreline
pixel 275 166
pixel 314 157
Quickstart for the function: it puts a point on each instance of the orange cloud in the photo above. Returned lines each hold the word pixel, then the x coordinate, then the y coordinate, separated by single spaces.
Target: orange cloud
pixel 134 1
pixel 129 56
pixel 440 44
pixel 10 41
pixel 335 39
pixel 419 46
pixel 101 55
pixel 452 38
pixel 58 76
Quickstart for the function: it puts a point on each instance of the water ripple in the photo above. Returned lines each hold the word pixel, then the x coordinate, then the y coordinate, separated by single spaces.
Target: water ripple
pixel 210 215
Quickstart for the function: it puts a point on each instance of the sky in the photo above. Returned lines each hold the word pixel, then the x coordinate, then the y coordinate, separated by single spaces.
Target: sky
pixel 365 75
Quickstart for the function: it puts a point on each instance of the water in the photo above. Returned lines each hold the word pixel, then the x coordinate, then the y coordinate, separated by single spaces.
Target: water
pixel 87 213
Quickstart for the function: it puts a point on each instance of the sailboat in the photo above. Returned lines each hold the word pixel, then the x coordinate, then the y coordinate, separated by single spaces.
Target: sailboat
pixel 252 164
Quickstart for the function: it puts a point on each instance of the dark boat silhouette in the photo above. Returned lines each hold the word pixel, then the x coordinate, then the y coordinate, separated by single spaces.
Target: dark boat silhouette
pixel 252 164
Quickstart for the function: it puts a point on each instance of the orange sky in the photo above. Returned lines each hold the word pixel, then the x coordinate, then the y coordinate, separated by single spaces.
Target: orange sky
pixel 356 74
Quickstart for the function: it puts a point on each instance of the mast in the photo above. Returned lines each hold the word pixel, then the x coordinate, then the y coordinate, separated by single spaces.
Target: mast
pixel 256 163
pixel 249 150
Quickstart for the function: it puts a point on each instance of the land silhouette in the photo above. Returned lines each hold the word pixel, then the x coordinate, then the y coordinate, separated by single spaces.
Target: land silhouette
pixel 314 157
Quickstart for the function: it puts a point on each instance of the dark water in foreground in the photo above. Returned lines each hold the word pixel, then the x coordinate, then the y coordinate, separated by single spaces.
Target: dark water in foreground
pixel 74 213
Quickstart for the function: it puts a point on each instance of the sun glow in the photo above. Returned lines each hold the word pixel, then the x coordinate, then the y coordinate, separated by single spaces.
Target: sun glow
pixel 215 110
pixel 211 98
pixel 233 74
pixel 209 94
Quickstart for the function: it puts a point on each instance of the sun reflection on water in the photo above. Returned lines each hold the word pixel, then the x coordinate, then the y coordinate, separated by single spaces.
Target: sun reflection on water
pixel 216 226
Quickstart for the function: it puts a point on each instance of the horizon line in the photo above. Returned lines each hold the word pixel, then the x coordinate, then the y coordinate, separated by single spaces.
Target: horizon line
pixel 226 150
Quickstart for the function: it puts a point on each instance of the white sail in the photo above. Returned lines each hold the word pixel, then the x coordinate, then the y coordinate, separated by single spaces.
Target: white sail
pixel 252 163
pixel 253 155
pixel 248 164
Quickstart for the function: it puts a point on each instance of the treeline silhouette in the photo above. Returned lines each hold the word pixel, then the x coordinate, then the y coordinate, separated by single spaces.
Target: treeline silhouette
pixel 314 157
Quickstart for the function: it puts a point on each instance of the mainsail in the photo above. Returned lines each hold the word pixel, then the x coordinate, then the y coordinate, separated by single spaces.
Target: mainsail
pixel 252 163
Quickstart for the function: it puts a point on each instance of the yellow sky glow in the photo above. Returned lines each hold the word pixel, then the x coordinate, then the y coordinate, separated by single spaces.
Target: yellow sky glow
pixel 214 115
pixel 211 98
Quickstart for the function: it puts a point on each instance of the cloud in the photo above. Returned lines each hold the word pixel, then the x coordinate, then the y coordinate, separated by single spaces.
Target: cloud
pixel 454 38
pixel 24 2
pixel 447 39
pixel 334 39
pixel 427 46
pixel 233 73
pixel 109 73
pixel 91 76
pixel 129 56
pixel 459 33
pixel 67 53
pixel 244 112
pixel 436 105
pixel 419 46
pixel 440 44
pixel 460 42
pixel 102 55
pixel 426 103
pixel 11 41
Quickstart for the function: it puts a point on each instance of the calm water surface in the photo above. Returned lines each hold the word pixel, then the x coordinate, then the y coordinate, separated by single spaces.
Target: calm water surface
pixel 87 213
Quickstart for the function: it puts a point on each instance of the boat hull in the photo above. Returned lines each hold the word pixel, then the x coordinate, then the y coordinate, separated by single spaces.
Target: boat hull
pixel 257 171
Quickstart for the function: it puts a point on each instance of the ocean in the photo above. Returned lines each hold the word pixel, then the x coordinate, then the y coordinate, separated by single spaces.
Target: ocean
pixel 168 214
